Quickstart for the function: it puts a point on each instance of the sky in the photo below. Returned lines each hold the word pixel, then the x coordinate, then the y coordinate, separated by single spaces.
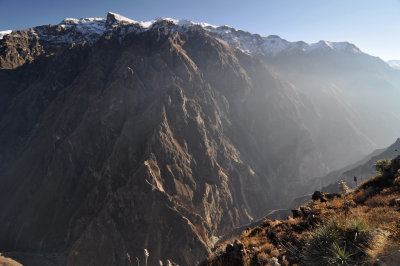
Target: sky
pixel 372 25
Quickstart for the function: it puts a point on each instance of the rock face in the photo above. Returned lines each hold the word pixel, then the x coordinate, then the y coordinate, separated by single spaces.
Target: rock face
pixel 117 136
pixel 120 146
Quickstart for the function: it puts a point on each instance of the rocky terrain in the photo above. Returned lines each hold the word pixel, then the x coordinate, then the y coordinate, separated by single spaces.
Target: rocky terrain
pixel 119 135
pixel 356 227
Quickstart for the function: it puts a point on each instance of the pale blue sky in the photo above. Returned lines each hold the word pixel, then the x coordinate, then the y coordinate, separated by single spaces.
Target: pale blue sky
pixel 372 25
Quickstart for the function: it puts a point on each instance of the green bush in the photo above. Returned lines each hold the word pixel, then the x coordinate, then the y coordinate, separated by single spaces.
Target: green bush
pixel 387 173
pixel 383 165
pixel 337 243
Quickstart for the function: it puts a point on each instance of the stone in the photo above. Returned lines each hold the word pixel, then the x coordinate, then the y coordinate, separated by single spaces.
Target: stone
pixel 395 202
pixel 229 248
pixel 317 195
pixel 392 259
pixel 274 262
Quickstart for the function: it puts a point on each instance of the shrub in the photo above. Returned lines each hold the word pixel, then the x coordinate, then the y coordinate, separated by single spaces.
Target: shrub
pixel 267 248
pixel 361 195
pixel 377 183
pixel 383 165
pixel 262 258
pixel 359 226
pixel 340 256
pixel 343 243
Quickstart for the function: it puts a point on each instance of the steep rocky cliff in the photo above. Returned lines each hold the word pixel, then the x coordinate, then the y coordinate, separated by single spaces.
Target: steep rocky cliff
pixel 135 143
pixel 118 136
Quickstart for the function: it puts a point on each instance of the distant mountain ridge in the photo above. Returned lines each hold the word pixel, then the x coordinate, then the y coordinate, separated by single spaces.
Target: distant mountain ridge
pixel 394 63
pixel 362 170
pixel 72 30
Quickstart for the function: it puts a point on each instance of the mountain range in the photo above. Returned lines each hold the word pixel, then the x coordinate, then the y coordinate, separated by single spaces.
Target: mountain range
pixel 362 170
pixel 119 136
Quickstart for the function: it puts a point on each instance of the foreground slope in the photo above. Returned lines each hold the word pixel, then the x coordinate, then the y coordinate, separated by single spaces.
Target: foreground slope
pixel 359 227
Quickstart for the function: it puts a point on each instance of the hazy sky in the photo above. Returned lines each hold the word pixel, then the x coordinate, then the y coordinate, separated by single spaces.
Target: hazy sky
pixel 372 25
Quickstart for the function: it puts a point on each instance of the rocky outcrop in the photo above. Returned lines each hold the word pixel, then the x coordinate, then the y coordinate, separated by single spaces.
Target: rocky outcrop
pixel 4 261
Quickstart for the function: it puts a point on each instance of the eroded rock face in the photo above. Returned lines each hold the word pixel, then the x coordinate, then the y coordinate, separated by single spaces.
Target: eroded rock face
pixel 120 146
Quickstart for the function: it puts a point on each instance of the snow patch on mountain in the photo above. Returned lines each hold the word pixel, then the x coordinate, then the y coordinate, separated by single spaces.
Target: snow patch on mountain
pixel 4 33
pixel 91 29
pixel 394 64
pixel 85 26
pixel 274 45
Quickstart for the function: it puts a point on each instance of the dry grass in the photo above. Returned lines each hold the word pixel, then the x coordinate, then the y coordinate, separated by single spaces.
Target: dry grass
pixel 265 252
pixel 359 196
pixel 380 244
pixel 263 258
pixel 368 204
pixel 377 217
pixel 267 248
pixel 252 242
pixel 377 201
pixel 364 184
pixel 383 217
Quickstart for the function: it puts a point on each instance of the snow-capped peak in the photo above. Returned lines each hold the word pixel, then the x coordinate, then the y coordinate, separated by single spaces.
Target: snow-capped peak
pixel 338 46
pixel 321 44
pixel 90 30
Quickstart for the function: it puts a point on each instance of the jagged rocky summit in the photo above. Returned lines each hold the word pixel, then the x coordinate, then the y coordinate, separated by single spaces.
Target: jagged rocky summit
pixel 90 30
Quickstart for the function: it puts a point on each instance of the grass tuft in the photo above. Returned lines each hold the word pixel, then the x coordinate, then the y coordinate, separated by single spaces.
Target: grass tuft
pixel 338 242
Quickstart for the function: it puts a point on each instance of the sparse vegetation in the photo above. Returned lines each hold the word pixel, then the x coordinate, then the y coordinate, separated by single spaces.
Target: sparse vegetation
pixel 353 229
